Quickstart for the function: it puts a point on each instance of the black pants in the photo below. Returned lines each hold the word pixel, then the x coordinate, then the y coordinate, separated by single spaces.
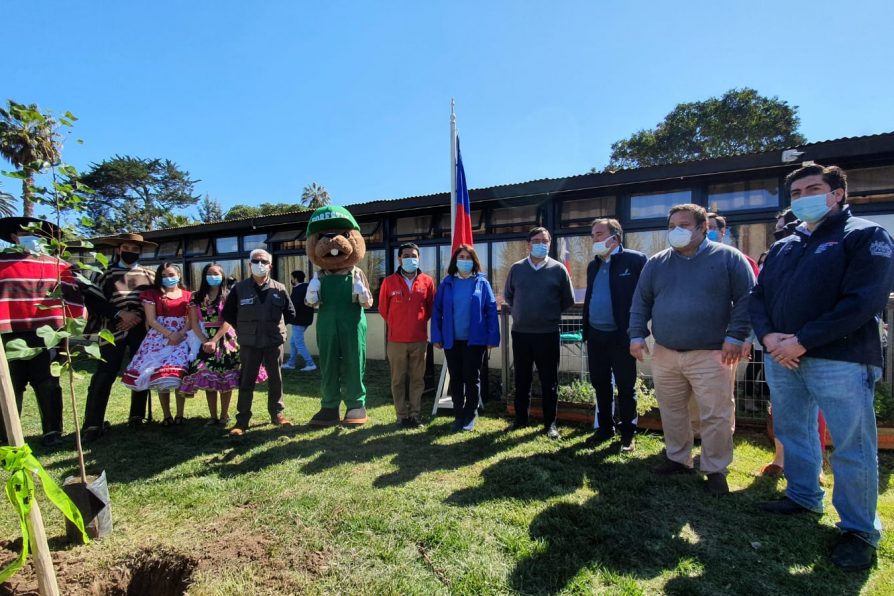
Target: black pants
pixel 107 373
pixel 464 363
pixel 609 352
pixel 541 349
pixel 36 371
pixel 251 359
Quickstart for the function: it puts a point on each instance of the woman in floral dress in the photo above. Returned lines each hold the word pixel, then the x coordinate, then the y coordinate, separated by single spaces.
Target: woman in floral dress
pixel 216 368
pixel 164 356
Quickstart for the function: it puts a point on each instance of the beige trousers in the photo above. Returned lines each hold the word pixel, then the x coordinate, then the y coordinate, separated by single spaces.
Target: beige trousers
pixel 699 373
pixel 407 361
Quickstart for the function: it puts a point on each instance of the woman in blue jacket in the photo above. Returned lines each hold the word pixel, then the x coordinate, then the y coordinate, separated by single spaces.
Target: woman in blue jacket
pixel 464 323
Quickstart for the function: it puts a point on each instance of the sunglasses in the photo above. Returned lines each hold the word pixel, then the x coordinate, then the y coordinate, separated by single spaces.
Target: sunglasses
pixel 260 261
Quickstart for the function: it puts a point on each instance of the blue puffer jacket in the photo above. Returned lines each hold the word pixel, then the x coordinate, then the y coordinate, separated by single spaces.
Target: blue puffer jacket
pixel 484 327
pixel 828 288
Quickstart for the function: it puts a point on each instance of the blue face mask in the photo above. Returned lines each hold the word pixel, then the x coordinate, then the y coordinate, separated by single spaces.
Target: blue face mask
pixel 464 266
pixel 214 280
pixel 170 282
pixel 810 209
pixel 539 251
pixel 409 264
pixel 713 235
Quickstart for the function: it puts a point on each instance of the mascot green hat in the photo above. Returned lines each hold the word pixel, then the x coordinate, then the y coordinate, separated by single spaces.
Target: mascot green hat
pixel 331 217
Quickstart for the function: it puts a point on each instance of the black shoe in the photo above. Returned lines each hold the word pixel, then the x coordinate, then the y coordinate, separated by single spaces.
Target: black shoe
pixel 457 425
pixel 552 432
pixel 784 506
pixel 91 434
pixel 628 445
pixel 852 553
pixel 413 422
pixel 404 423
pixel 51 438
pixel 599 437
pixel 668 467
pixel 716 485
pixel 518 425
pixel 324 418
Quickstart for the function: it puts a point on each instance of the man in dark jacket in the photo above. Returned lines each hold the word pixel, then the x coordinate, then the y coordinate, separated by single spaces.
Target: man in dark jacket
pixel 304 318
pixel 611 281
pixel 259 309
pixel 815 310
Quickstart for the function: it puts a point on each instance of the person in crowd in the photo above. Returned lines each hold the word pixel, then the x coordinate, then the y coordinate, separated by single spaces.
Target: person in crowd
pixel 120 310
pixel 538 289
pixel 464 324
pixel 304 318
pixel 611 280
pixel 216 368
pixel 815 309
pixel 164 356
pixel 405 302
pixel 696 296
pixel 28 278
pixel 259 308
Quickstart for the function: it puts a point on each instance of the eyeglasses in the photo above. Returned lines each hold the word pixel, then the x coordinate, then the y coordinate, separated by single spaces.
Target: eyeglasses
pixel 260 261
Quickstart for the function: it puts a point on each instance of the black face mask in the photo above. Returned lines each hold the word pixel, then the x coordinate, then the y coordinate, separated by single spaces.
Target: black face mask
pixel 129 258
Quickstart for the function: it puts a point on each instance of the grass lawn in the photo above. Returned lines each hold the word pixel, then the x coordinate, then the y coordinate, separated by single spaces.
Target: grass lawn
pixel 380 510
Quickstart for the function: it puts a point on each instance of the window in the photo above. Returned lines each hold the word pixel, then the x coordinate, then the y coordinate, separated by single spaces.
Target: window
pixel 579 213
pixel 445 252
pixel 443 226
pixel 287 239
pixel 655 205
pixel 504 255
pixel 372 231
pixel 198 246
pixel 576 252
pixel 373 265
pixel 751 239
pixel 649 243
pixel 226 245
pixel 170 248
pixel 412 228
pixel 232 268
pixel 738 196
pixel 287 263
pixel 513 219
pixel 195 275
pixel 148 252
pixel 249 243
pixel 428 260
pixel 870 185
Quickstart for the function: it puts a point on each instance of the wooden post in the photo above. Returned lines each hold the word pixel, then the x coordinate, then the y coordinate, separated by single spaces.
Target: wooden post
pixel 40 551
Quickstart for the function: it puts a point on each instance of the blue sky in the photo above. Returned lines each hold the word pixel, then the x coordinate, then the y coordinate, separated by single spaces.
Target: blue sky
pixel 258 99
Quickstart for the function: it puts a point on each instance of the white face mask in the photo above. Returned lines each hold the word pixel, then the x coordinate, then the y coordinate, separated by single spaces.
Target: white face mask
pixel 679 237
pixel 259 269
pixel 600 249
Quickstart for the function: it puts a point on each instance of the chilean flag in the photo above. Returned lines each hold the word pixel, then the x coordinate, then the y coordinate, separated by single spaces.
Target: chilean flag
pixel 462 224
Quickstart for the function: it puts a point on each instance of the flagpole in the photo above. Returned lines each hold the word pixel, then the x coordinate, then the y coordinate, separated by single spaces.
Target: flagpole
pixel 452 170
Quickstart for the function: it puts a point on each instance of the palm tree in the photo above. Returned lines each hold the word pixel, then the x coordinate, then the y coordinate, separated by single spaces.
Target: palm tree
pixel 28 140
pixel 315 196
pixel 7 204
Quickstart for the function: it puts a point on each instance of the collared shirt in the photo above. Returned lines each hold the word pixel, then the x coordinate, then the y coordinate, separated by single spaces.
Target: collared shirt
pixel 608 257
pixel 536 266
pixel 698 251
pixel 409 281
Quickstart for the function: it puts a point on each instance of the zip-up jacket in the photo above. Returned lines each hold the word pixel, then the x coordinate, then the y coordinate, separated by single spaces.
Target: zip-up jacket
pixel 624 268
pixel 406 310
pixel 828 288
pixel 484 327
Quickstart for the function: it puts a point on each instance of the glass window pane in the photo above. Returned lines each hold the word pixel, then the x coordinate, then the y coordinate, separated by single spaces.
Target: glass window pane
pixel 225 245
pixel 198 246
pixel 749 194
pixel 655 205
pixel 372 231
pixel 249 243
pixel 869 179
pixel 285 264
pixel 195 275
pixel 148 252
pixel 649 242
pixel 445 252
pixel 504 255
pixel 373 265
pixel 513 219
pixel 576 252
pixel 170 248
pixel 752 239
pixel 428 260
pixel 579 213
pixel 413 227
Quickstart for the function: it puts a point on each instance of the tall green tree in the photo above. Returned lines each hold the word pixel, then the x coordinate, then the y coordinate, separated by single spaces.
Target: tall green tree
pixel 246 211
pixel 315 196
pixel 741 121
pixel 7 204
pixel 30 142
pixel 210 210
pixel 133 193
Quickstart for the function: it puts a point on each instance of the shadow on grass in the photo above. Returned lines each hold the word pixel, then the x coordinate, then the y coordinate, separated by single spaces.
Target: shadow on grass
pixel 639 527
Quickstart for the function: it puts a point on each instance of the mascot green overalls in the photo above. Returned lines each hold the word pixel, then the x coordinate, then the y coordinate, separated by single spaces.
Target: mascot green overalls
pixel 340 290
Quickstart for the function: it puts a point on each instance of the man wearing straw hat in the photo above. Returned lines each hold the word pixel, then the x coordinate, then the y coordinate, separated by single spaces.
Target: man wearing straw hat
pixel 121 312
pixel 28 278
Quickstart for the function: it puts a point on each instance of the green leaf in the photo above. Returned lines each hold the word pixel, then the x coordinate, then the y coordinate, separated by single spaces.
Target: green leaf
pixel 76 326
pixel 93 351
pixel 17 349
pixel 108 336
pixel 50 336
pixel 102 259
pixel 55 369
pixel 70 116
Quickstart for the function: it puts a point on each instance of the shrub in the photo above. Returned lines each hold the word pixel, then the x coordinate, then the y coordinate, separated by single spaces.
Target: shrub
pixel 884 403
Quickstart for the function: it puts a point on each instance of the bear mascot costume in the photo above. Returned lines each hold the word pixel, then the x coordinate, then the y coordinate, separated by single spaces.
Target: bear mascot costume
pixel 340 291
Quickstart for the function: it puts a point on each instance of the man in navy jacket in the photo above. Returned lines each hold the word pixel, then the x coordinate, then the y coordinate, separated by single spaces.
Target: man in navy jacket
pixel 611 280
pixel 815 309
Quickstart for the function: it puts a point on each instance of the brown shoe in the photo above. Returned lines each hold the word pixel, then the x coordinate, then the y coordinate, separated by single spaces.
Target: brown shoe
pixel 281 421
pixel 668 467
pixel 716 485
pixel 237 432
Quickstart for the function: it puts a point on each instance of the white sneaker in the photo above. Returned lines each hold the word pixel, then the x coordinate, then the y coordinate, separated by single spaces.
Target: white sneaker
pixel 288 366
pixel 309 368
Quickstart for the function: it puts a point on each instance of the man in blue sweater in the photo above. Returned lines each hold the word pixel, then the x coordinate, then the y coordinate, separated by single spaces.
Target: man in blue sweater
pixel 611 280
pixel 815 311
pixel 696 295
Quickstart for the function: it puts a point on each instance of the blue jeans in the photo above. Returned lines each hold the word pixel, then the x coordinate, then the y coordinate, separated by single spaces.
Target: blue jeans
pixel 844 391
pixel 297 346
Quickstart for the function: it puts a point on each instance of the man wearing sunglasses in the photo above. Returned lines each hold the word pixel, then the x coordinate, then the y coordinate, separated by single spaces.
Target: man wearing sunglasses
pixel 259 309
